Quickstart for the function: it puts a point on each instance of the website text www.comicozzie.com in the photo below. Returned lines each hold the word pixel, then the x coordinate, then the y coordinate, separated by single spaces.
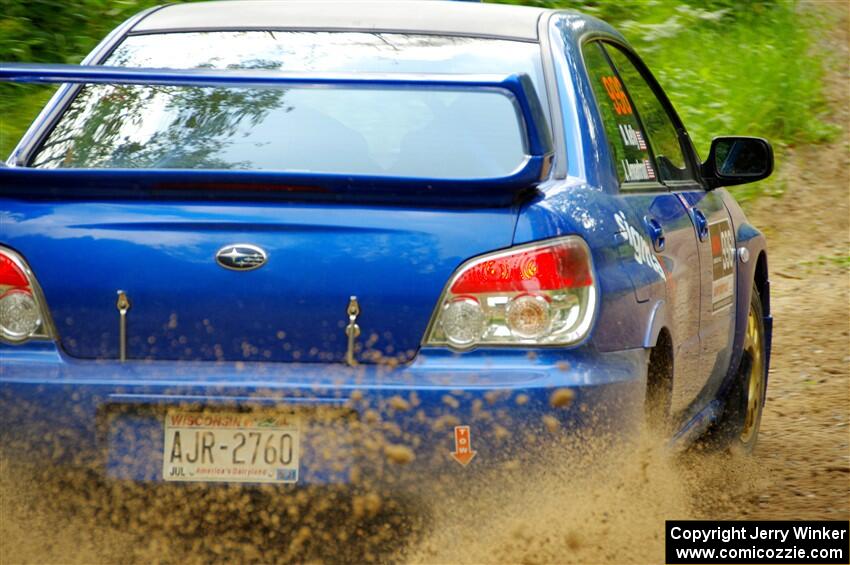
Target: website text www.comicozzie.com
pixel 757 542
pixel 688 554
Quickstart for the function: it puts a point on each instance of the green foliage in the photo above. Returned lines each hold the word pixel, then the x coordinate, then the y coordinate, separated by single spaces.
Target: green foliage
pixel 49 31
pixel 19 105
pixel 730 67
pixel 59 31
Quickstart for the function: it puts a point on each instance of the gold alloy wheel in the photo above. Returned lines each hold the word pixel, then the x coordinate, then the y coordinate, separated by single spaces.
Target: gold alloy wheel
pixel 755 381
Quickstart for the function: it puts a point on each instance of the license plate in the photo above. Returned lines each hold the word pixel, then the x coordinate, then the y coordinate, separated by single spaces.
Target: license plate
pixel 231 447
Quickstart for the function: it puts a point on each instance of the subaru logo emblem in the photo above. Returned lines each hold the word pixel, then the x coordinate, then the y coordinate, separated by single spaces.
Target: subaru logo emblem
pixel 241 257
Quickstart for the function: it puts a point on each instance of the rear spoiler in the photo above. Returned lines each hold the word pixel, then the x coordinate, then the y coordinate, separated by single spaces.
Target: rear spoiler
pixel 218 183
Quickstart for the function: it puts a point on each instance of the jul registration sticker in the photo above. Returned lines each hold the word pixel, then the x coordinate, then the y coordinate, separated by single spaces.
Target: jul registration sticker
pixel 231 447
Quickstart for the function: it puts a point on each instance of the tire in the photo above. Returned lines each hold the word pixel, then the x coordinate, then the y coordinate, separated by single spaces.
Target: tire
pixel 739 423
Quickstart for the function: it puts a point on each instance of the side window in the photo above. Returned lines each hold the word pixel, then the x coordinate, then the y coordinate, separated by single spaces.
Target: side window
pixel 663 137
pixel 626 139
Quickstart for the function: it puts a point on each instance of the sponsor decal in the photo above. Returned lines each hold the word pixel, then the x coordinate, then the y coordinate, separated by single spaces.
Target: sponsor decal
pixel 722 264
pixel 637 170
pixel 642 249
pixel 632 137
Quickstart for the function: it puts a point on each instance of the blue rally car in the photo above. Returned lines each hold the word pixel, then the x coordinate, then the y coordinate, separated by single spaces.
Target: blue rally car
pixel 325 242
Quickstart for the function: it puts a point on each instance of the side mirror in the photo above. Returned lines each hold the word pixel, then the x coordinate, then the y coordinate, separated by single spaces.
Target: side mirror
pixel 737 160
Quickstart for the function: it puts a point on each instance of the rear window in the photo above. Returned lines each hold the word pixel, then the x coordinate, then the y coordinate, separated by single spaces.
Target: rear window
pixel 418 133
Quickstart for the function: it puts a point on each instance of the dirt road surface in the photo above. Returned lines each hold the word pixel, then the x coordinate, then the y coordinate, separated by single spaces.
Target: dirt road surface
pixel 563 510
pixel 805 434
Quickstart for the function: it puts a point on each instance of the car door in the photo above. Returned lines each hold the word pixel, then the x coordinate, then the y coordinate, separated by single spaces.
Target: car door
pixel 654 219
pixel 718 268
pixel 677 163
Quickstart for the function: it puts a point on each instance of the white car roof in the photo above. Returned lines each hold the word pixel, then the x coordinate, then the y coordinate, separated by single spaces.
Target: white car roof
pixel 413 16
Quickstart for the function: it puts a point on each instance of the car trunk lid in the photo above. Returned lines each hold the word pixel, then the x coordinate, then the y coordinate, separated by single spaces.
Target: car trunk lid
pixel 185 305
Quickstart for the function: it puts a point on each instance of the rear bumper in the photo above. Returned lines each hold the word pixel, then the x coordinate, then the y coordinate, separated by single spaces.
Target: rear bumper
pixel 108 416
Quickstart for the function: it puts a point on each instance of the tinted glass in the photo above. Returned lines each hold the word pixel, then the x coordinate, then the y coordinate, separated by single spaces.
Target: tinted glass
pixel 625 137
pixel 741 157
pixel 423 133
pixel 663 137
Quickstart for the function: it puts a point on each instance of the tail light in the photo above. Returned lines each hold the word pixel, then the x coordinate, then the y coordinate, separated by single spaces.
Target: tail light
pixel 538 294
pixel 23 314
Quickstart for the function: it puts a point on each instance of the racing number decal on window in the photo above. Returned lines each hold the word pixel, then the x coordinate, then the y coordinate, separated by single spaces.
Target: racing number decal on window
pixel 615 91
pixel 627 141
pixel 639 169
pixel 722 264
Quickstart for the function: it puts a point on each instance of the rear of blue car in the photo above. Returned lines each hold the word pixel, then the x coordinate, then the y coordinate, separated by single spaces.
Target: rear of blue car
pixel 261 283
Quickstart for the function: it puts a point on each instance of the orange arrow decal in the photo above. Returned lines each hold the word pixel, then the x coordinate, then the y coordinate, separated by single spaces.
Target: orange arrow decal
pixel 463 453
